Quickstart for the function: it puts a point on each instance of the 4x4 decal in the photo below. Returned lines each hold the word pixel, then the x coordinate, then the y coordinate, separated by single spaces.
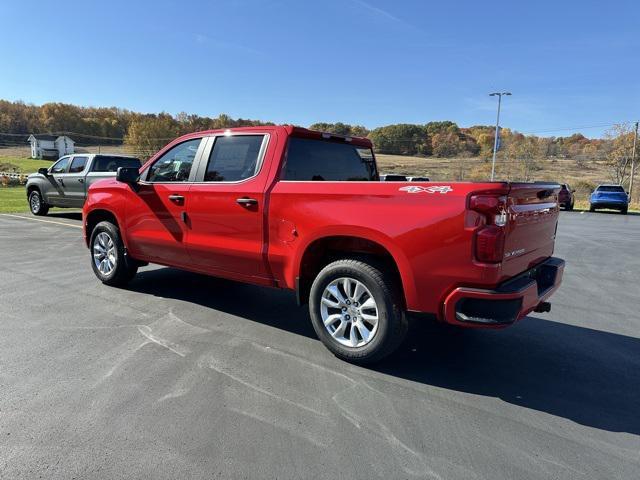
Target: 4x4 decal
pixel 433 189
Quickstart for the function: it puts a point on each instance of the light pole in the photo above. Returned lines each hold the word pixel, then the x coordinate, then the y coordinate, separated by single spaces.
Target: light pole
pixel 495 140
pixel 633 161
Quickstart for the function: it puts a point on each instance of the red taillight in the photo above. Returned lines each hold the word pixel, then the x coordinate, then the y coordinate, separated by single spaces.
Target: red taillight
pixel 490 244
pixel 485 203
pixel 489 241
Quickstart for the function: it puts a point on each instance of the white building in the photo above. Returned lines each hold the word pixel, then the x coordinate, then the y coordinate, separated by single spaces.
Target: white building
pixel 50 146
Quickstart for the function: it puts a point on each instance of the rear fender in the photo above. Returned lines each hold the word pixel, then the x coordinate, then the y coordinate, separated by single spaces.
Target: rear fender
pixel 402 263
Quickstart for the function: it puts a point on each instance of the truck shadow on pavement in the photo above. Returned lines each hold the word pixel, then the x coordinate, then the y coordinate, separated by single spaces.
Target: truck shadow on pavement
pixel 272 307
pixel 588 376
pixel 68 215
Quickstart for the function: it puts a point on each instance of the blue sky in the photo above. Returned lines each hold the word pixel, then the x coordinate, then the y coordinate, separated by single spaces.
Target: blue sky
pixel 371 62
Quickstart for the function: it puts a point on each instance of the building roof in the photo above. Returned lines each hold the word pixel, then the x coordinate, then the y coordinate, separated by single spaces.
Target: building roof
pixel 43 136
pixel 47 136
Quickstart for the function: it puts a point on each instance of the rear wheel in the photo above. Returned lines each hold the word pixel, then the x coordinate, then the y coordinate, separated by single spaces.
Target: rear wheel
pixel 108 258
pixel 624 210
pixel 570 206
pixel 37 204
pixel 592 208
pixel 356 311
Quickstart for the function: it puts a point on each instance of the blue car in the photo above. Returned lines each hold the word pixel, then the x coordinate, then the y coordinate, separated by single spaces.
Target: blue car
pixel 609 196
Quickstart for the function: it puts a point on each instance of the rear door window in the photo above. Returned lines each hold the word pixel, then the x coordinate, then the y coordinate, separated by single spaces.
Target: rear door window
pixel 234 158
pixel 78 164
pixel 107 163
pixel 318 160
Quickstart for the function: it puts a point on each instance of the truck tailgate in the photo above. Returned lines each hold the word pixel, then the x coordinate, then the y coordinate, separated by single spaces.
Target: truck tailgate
pixel 531 227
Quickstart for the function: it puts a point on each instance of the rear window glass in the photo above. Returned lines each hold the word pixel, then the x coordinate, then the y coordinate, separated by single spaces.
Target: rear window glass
pixel 610 188
pixel 105 163
pixel 310 159
pixel 234 158
pixel 77 164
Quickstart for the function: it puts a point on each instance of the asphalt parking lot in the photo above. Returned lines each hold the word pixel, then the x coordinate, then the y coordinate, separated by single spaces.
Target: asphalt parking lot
pixel 184 376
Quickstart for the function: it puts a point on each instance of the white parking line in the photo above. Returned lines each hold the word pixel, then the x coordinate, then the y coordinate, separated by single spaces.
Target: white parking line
pixel 41 220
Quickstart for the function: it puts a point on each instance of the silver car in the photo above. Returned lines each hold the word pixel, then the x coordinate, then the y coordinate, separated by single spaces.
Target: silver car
pixel 66 182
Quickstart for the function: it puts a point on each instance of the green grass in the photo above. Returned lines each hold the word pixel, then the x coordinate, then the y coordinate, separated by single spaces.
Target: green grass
pixel 23 165
pixel 13 199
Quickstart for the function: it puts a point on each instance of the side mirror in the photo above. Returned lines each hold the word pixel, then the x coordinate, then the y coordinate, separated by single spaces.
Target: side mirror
pixel 128 175
pixel 573 191
pixel 43 171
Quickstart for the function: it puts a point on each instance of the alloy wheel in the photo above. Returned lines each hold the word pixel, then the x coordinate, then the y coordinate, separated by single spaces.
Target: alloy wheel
pixel 34 202
pixel 104 253
pixel 349 312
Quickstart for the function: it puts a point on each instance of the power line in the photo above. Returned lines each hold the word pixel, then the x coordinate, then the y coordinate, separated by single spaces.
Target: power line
pixel 561 129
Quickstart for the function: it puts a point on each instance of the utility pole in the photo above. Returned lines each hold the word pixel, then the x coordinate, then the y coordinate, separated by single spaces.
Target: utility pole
pixel 633 161
pixel 495 140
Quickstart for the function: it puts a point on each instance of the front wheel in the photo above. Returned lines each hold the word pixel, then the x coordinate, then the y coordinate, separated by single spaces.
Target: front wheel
pixel 592 208
pixel 356 311
pixel 108 259
pixel 37 204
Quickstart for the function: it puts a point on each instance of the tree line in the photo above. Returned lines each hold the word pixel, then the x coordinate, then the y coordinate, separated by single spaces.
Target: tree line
pixel 145 133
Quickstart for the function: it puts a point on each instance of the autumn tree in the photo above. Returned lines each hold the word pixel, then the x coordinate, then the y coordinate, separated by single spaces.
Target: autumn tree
pixel 340 128
pixel 446 144
pixel 148 134
pixel 618 153
pixel 401 139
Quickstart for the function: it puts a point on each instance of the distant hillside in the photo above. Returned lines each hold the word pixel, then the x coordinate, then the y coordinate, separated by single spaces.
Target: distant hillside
pixel 437 148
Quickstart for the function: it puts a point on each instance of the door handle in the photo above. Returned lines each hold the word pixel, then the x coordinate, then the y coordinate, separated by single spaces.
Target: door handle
pixel 81 180
pixel 176 198
pixel 247 202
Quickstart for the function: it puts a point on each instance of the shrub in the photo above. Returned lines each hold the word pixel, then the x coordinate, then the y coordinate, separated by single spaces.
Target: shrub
pixel 8 167
pixel 583 187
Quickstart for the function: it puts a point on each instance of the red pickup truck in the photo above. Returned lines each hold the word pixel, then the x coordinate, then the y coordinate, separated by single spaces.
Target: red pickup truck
pixel 287 207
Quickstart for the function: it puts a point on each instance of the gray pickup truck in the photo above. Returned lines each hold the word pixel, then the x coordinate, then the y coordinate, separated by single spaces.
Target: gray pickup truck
pixel 65 183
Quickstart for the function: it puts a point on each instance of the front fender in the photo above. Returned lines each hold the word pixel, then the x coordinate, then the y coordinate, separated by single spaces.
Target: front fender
pixel 107 200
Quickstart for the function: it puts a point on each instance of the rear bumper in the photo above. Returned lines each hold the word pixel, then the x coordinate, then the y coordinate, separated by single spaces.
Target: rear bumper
pixel 512 300
pixel 610 204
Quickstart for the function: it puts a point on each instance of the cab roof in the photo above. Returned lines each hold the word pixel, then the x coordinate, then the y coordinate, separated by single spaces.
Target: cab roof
pixel 290 130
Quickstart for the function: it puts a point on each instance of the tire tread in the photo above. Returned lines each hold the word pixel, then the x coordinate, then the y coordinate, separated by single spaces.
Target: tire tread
pixel 126 268
pixel 397 320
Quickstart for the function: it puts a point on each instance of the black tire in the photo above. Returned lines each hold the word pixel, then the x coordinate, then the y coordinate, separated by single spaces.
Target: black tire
pixel 592 208
pixel 37 204
pixel 392 321
pixel 125 267
pixel 569 207
pixel 624 211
